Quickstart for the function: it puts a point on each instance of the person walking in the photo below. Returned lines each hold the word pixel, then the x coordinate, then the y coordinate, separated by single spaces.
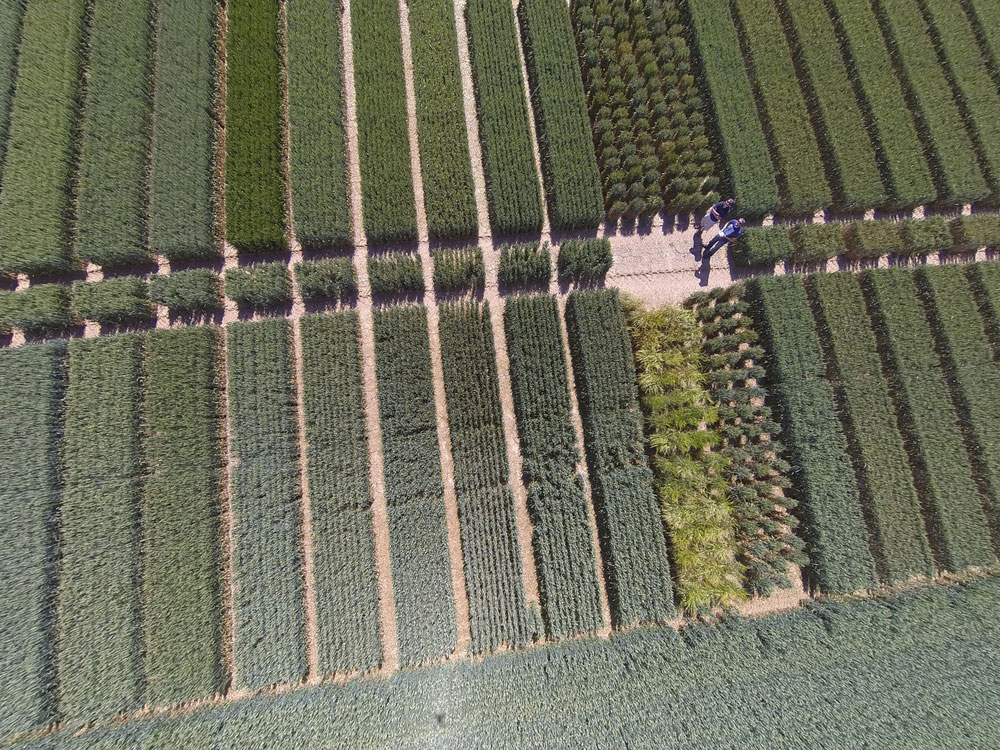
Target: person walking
pixel 729 233
pixel 716 214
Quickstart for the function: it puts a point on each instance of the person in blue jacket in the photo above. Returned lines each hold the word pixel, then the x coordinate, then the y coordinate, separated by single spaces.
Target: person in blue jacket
pixel 716 214
pixel 729 233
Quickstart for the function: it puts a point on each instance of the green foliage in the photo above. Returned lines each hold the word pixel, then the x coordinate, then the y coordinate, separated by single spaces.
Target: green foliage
pixel 98 644
pixel 569 166
pixel 975 231
pixel 957 526
pixel 110 228
pixel 181 557
pixel 834 525
pixel 318 152
pixel 985 280
pixel 690 472
pixel 39 309
pixel 259 286
pixel 557 501
pixel 11 16
pixel 418 543
pixel 764 523
pixel 648 113
pixel 878 451
pixel 264 493
pixel 182 199
pixel 35 201
pixel 395 273
pixel 764 245
pixel 583 260
pixel 255 184
pixel 814 243
pixel 872 239
pixel 985 17
pixel 186 292
pixel 512 190
pixel 849 153
pixel 922 236
pixel 329 278
pixel 953 157
pixel 114 301
pixel 33 382
pixel 794 141
pixel 741 137
pixel 390 214
pixel 347 612
pixel 898 148
pixel 636 571
pixel 459 269
pixel 498 614
pixel 525 263
pixel 449 199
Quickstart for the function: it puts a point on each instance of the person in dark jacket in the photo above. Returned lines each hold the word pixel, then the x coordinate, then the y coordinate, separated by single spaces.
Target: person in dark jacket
pixel 716 214
pixel 729 233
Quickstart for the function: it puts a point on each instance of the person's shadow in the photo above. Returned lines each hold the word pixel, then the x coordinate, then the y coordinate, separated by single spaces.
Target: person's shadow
pixel 697 250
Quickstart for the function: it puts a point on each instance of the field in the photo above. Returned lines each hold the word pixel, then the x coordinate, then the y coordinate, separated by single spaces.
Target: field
pixel 363 382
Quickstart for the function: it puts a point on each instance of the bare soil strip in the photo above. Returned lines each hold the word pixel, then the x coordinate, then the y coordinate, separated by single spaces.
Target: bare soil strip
pixel 380 515
pixel 90 328
pixel 162 313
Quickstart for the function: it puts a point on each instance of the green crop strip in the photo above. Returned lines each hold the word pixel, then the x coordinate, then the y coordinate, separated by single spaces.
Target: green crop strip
pixel 834 525
pixel 795 146
pixel 885 477
pixel 39 309
pixel 182 198
pixel 268 605
pixel 985 280
pixel 114 301
pixel 390 214
pixel 255 183
pixel 347 609
pixel 512 190
pixel 972 372
pixel 445 166
pixel 418 543
pixel 525 264
pixel 35 203
pixel 181 531
pixel 260 286
pixel 585 259
pixel 557 503
pixel 11 15
pixel 898 147
pixel 459 269
pixel 741 137
pixel 33 380
pixel 498 614
pixel 637 573
pixel 569 166
pixel 327 278
pixel 99 640
pixel 187 292
pixel 849 152
pixel 764 245
pixel 954 159
pixel 318 155
pixel 111 179
pixel 985 16
pixel 959 531
pixel 765 526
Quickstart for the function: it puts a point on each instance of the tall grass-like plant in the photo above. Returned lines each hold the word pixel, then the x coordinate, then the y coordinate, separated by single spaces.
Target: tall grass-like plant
pixel 690 475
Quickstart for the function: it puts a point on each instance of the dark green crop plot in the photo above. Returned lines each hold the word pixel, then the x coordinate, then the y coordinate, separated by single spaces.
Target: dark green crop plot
pixel 848 149
pixel 459 269
pixel 255 183
pixel 111 178
pixel 418 544
pixel 954 159
pixel 318 154
pixel 815 243
pixel 976 231
pixel 181 529
pixel 268 604
pixel 985 15
pixel 794 141
pixel 33 379
pixel 35 201
pixel 390 214
pixel 39 309
pixel 114 301
pixel 259 286
pixel 182 198
pixel 515 201
pixel 825 485
pixel 872 239
pixel 885 477
pixel 557 501
pixel 585 259
pixel 187 292
pixel 11 15
pixel 985 280
pixel 498 615
pixel 99 649
pixel 637 572
pixel 922 236
pixel 569 165
pixel 525 263
pixel 764 245
pixel 395 273
pixel 959 533
pixel 444 144
pixel 347 611
pixel 328 278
